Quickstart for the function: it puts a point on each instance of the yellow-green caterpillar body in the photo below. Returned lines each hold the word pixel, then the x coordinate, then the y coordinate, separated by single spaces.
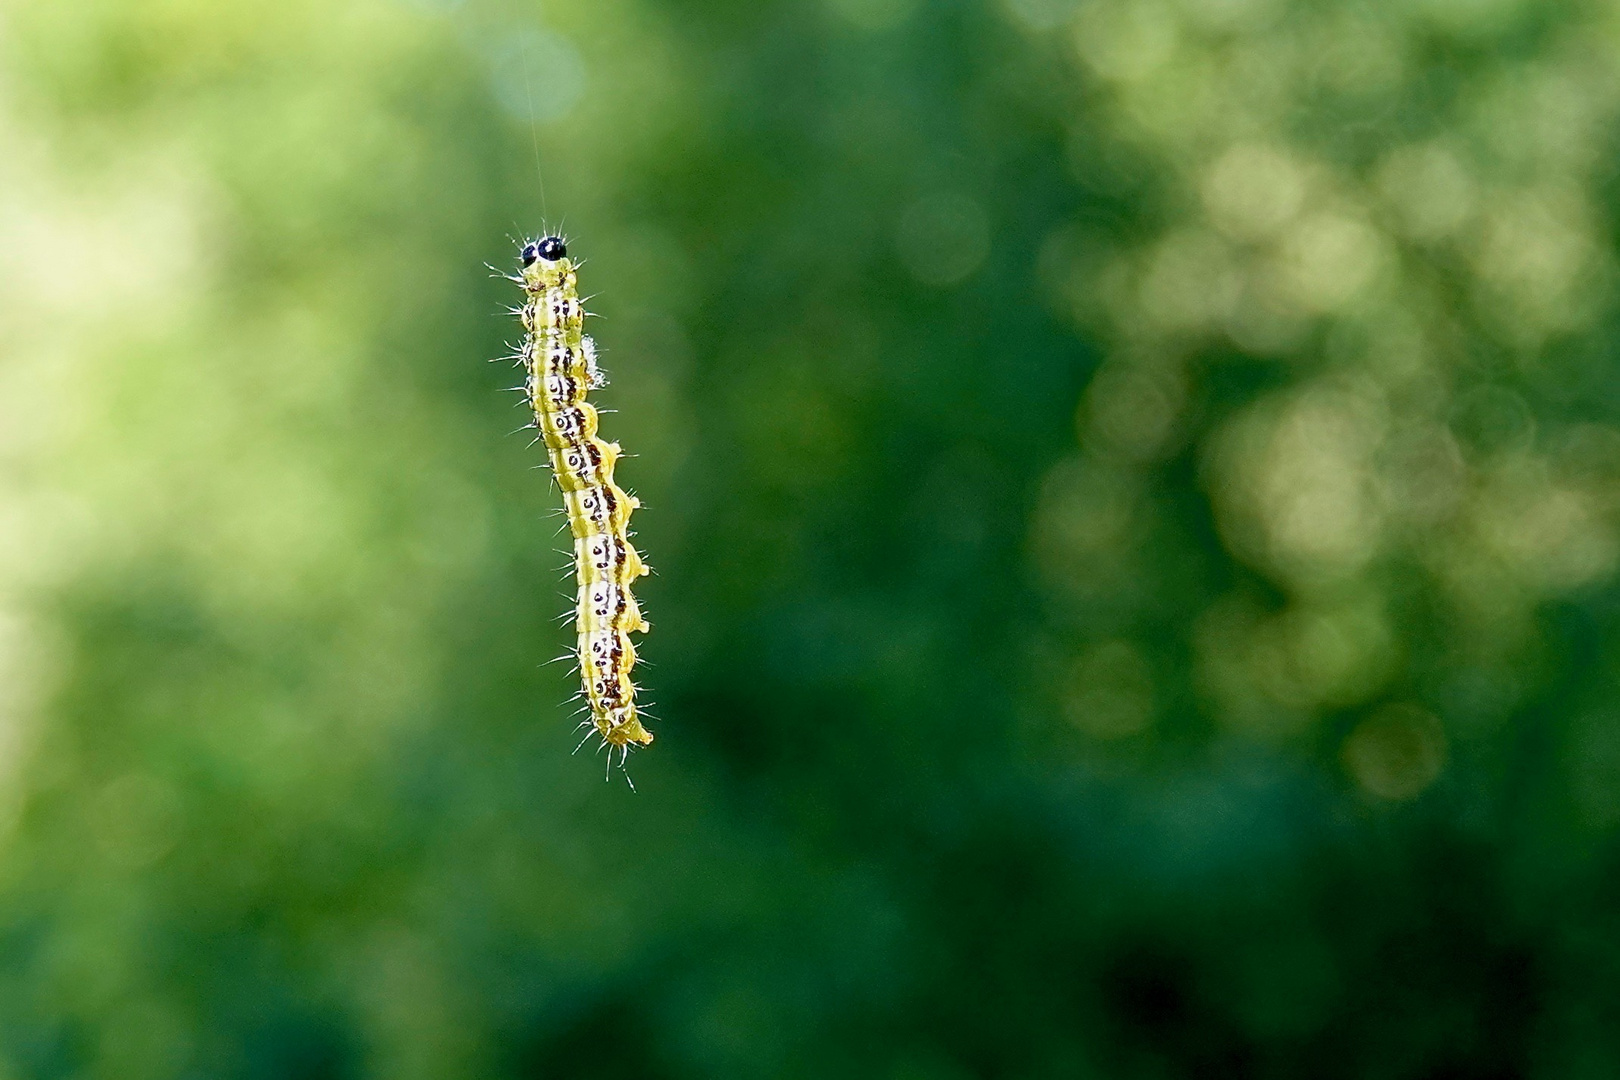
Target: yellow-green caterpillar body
pixel 560 363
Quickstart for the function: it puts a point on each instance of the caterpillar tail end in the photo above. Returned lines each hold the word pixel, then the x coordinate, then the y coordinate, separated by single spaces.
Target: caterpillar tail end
pixel 624 732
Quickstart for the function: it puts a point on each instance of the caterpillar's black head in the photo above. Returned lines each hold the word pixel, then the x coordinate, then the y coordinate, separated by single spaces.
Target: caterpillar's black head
pixel 550 249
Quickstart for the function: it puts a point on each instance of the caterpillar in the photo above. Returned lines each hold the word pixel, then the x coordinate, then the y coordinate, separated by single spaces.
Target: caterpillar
pixel 560 366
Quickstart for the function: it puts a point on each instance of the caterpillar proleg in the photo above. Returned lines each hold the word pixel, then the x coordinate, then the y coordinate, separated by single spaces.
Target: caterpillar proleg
pixel 560 364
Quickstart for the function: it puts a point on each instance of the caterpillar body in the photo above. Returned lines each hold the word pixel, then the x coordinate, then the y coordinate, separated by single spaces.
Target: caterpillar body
pixel 560 365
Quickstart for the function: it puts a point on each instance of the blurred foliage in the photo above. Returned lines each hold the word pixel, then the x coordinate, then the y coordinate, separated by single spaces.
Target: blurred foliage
pixel 1134 486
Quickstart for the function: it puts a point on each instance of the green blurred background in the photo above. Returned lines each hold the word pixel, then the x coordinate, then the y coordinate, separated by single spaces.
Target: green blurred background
pixel 1134 486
